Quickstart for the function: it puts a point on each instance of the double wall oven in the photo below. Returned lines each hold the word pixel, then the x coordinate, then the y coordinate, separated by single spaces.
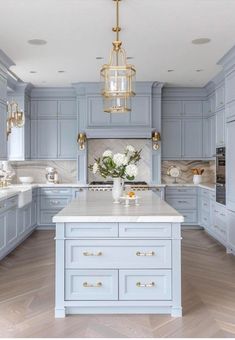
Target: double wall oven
pixel 220 176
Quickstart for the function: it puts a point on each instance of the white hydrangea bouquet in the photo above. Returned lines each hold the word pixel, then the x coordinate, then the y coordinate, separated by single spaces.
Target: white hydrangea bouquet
pixel 118 165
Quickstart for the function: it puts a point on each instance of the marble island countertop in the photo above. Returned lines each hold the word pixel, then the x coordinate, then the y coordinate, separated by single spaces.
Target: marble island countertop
pixel 99 207
pixel 15 189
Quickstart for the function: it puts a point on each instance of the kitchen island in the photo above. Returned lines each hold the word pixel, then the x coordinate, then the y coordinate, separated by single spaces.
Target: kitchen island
pixel 116 259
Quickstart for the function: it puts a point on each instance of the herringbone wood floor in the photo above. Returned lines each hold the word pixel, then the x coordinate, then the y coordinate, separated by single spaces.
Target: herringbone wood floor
pixel 27 296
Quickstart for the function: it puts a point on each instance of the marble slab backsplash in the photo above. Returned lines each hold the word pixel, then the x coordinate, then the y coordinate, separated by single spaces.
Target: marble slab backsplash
pixel 186 175
pixel 67 170
pixel 96 147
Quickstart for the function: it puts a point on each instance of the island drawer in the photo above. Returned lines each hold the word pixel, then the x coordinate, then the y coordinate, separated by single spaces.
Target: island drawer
pixel 183 203
pixel 145 285
pixel 54 202
pixel 91 285
pixel 117 254
pixel 146 230
pixel 88 230
pixel 56 191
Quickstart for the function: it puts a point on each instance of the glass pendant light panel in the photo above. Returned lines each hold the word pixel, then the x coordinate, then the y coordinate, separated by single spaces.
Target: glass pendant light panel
pixel 117 104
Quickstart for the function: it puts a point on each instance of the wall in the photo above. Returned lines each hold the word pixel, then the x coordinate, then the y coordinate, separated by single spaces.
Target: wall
pixel 97 146
pixel 67 170
pixel 186 175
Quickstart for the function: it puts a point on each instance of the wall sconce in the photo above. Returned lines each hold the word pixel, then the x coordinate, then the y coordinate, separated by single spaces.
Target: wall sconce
pixel 156 138
pixel 81 140
pixel 15 117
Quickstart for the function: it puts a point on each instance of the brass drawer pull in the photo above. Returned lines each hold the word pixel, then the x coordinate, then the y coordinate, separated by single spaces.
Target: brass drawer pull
pixel 53 202
pixel 86 253
pixel 90 285
pixel 145 285
pixel 139 253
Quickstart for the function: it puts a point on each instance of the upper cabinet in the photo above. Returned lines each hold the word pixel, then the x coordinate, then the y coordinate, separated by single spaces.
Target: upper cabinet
pixel 219 96
pixel 171 138
pixel 192 138
pixel 53 124
pixel 220 128
pixel 3 115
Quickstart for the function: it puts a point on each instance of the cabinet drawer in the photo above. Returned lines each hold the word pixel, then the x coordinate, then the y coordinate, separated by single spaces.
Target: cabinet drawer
pixel 190 216
pixel 91 230
pixel 205 193
pixel 183 203
pixel 47 215
pixel 205 219
pixel 205 203
pixel 54 202
pixel 130 254
pixel 181 190
pixel 91 284
pixel 144 230
pixel 145 285
pixel 55 191
pixel 212 195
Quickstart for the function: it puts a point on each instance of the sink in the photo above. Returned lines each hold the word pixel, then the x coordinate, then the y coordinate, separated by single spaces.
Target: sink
pixel 24 194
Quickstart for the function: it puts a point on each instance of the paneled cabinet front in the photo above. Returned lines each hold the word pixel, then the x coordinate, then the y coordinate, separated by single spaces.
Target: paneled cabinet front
pixel 3 129
pixel 171 138
pixel 192 138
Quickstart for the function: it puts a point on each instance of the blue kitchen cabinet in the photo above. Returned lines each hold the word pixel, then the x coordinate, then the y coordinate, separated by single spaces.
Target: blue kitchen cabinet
pixel 230 163
pixel 171 138
pixel 46 139
pixel 3 229
pixel 212 135
pixel 219 96
pixel 220 128
pixel 192 138
pixel 3 130
pixel 192 108
pixel 46 108
pixel 67 139
pixel 211 104
pixel 172 108
pixel 67 108
pixel 11 233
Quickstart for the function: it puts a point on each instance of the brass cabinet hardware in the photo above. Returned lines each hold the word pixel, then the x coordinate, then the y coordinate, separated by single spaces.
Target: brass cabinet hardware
pixel 87 253
pixel 139 253
pixel 90 285
pixel 145 285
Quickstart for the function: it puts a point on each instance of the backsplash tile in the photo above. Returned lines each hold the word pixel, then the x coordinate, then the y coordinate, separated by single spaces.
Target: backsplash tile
pixel 67 170
pixel 186 175
pixel 96 147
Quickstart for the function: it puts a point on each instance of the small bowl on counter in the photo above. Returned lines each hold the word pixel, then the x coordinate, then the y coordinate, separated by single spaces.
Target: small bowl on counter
pixel 26 180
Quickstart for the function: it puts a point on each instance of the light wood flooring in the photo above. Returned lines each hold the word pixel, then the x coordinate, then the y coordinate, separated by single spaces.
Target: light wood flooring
pixel 27 296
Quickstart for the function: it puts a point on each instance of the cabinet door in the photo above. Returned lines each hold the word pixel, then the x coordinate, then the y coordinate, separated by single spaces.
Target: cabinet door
pixel 219 97
pixel 27 216
pixel 67 108
pixel 33 212
pixel 3 226
pixel 212 132
pixel 220 128
pixel 211 104
pixel 11 226
pixel 47 138
pixel 192 138
pixel 67 139
pixel 230 85
pixel 230 161
pixel 193 108
pixel 171 138
pixel 20 222
pixel 206 138
pixel 172 108
pixel 3 135
pixel 46 108
pixel 231 229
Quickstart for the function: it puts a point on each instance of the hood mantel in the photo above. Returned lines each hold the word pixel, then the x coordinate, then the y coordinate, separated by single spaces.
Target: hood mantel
pixel 144 117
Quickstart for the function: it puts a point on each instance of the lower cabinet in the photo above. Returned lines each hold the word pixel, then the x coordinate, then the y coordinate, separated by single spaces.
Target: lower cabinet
pixel 231 230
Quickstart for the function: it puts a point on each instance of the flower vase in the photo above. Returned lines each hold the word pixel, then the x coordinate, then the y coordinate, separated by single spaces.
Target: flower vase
pixel 117 190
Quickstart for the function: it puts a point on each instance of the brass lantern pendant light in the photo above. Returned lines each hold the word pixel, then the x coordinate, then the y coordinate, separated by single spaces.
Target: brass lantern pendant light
pixel 117 76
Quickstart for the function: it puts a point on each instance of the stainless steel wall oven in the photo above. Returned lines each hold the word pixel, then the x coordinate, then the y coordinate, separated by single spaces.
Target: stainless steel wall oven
pixel 220 176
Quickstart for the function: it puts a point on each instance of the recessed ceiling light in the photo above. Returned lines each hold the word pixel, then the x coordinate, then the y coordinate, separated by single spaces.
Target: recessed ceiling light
pixel 199 70
pixel 170 70
pixel 37 42
pixel 32 71
pixel 201 41
pixel 61 71
pixel 99 58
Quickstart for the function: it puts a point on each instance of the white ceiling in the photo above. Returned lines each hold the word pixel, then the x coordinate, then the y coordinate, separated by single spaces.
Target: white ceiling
pixel 157 33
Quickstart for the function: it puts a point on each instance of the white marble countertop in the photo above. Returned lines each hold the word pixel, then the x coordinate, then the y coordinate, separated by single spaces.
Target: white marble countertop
pixel 15 189
pixel 99 207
